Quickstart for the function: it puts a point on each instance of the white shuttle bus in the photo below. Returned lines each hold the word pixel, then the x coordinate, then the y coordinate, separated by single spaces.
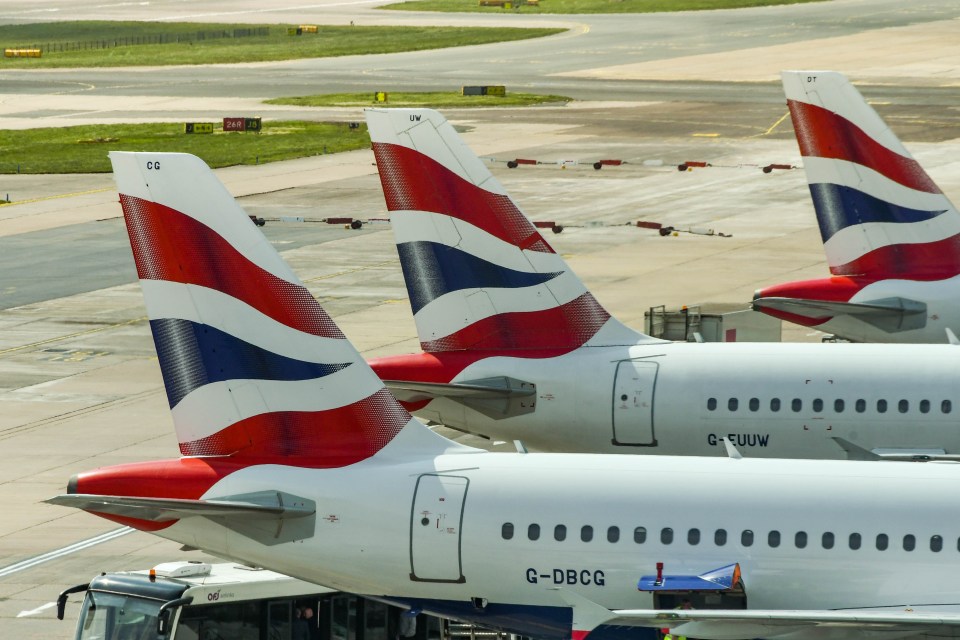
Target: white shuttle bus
pixel 200 601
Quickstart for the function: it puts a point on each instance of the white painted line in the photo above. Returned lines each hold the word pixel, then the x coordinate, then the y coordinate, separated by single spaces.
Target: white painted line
pixel 59 553
pixel 33 612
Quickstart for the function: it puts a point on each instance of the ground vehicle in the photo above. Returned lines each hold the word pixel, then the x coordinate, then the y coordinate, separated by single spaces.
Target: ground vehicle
pixel 199 601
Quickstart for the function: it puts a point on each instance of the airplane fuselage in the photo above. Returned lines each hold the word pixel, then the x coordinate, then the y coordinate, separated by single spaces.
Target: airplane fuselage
pixel 456 535
pixel 771 400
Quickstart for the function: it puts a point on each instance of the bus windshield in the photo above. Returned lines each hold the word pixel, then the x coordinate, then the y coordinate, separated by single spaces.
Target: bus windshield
pixel 110 616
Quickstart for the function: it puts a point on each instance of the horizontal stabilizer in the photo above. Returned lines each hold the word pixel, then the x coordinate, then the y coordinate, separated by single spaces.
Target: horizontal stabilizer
pixel 889 314
pixel 267 504
pixel 269 517
pixel 497 398
pixel 486 389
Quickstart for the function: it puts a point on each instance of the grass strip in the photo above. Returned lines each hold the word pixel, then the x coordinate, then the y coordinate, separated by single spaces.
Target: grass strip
pixel 434 100
pixel 83 149
pixel 115 44
pixel 581 6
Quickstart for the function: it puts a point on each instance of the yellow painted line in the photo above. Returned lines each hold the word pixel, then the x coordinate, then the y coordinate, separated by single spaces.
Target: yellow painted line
pixel 63 195
pixel 774 125
pixel 343 273
pixel 706 135
pixel 71 335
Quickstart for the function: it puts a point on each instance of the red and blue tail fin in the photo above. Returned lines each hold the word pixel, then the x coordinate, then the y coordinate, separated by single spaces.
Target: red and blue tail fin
pixel 479 274
pixel 881 216
pixel 253 366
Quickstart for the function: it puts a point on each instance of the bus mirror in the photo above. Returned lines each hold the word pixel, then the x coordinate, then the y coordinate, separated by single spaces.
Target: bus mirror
pixel 163 616
pixel 62 598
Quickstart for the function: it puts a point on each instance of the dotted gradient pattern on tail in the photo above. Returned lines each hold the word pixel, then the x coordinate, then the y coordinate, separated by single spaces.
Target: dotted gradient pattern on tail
pixel 880 215
pixel 479 274
pixel 252 365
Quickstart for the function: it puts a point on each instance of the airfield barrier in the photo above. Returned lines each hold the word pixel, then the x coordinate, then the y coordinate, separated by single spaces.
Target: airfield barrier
pixel 156 38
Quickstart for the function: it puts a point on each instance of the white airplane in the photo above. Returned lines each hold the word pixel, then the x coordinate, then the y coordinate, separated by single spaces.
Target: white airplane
pixel 296 458
pixel 515 347
pixel 891 236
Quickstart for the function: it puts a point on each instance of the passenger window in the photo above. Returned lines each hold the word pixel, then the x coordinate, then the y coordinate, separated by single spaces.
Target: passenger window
pixel 754 404
pixel 936 543
pixel 775 404
pixel 506 531
pixel 666 535
pixel 924 406
pixel 882 541
pixel 818 405
pixel 560 532
pixel 613 534
pixel 773 539
pixel 533 532
pixel 746 538
pixel 732 404
pixel 861 405
pixel 796 405
pixel 855 541
pixel 800 539
pixel 827 540
pixel 838 406
pixel 711 404
pixel 903 406
pixel 881 406
pixel 720 537
pixel 586 533
pixel 946 406
pixel 640 535
pixel 909 542
pixel 693 536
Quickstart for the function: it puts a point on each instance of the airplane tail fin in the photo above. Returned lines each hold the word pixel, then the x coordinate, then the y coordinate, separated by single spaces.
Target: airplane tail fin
pixel 253 367
pixel 479 274
pixel 880 215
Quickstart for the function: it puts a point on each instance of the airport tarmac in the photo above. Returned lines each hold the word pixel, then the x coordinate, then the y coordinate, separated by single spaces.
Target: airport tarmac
pixel 79 382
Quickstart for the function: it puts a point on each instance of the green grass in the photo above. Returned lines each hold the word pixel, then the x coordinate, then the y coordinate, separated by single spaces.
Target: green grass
pixel 587 6
pixel 84 149
pixel 277 45
pixel 435 100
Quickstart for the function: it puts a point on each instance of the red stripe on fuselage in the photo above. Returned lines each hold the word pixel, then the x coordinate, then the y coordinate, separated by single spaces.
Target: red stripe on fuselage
pixel 185 479
pixel 169 245
pixel 568 327
pixel 836 289
pixel 413 181
pixel 824 134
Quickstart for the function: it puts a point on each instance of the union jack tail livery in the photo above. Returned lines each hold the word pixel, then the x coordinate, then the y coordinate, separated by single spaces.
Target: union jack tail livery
pixel 479 275
pixel 891 237
pixel 256 373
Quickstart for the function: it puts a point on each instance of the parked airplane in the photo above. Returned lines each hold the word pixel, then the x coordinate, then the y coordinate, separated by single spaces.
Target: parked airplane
pixel 296 458
pixel 892 237
pixel 515 347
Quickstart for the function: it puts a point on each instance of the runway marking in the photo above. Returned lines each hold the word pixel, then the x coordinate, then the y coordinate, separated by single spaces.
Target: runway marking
pixel 345 272
pixel 4 352
pixel 33 612
pixel 64 551
pixel 773 126
pixel 62 195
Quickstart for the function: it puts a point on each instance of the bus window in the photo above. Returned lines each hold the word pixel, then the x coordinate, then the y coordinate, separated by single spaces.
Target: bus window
pixel 235 620
pixel 118 617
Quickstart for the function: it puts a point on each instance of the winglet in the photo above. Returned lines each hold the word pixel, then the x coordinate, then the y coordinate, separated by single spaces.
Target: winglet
pixel 951 336
pixel 732 451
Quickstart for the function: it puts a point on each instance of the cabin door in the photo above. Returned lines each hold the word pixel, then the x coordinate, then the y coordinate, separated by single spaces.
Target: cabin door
pixel 435 522
pixel 633 388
